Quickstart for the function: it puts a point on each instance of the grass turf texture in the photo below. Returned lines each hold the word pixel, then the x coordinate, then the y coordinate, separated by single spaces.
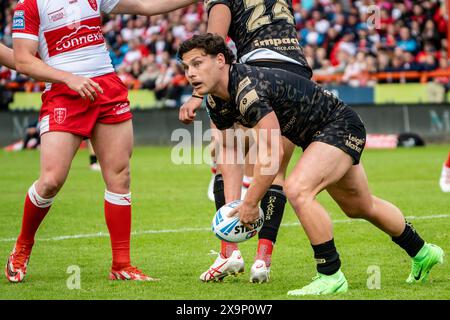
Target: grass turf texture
pixel 170 197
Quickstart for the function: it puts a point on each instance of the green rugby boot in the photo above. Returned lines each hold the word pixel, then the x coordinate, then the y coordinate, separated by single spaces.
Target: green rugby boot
pixel 323 284
pixel 424 260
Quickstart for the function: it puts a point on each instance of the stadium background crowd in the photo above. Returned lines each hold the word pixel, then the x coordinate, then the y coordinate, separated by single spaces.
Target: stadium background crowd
pixel 336 37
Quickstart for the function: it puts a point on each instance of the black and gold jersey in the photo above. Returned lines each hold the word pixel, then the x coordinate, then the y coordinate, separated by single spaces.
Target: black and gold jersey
pixel 305 111
pixel 263 28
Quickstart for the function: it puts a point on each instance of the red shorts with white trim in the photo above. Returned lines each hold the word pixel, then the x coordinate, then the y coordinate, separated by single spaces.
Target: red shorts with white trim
pixel 65 110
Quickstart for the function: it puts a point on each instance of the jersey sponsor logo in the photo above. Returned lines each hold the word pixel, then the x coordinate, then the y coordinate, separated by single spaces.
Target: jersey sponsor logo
pixel 93 4
pixel 242 85
pixel 275 42
pixel 19 20
pixel 250 98
pixel 290 125
pixel 19 14
pixel 354 143
pixel 59 114
pixel 65 39
pixel 56 15
pixel 82 37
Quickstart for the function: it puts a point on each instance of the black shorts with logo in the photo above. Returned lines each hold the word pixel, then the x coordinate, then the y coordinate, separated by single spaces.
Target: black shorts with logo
pixel 346 132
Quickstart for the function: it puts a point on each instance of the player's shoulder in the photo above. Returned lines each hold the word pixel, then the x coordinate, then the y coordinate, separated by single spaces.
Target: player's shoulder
pixel 22 4
pixel 35 8
pixel 26 16
pixel 244 75
pixel 242 70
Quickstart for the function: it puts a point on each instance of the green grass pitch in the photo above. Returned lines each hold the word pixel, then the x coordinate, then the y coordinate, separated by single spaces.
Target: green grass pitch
pixel 172 237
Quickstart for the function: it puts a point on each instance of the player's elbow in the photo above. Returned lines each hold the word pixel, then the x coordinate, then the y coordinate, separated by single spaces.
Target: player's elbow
pixel 21 64
pixel 20 68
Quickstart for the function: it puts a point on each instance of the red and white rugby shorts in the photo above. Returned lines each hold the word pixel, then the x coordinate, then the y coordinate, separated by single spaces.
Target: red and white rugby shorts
pixel 65 110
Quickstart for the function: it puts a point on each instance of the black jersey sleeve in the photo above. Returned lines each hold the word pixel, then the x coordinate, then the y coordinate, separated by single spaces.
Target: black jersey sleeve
pixel 211 3
pixel 252 98
pixel 219 113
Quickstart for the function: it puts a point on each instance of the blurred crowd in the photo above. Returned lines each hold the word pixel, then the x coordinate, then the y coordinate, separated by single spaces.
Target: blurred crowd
pixel 353 38
pixel 359 38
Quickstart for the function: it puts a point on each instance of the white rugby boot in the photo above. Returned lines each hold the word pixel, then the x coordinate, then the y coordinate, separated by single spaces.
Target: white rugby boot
pixel 223 267
pixel 259 272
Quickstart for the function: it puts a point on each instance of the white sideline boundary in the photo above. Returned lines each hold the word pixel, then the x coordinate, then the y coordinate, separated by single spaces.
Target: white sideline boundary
pixel 187 230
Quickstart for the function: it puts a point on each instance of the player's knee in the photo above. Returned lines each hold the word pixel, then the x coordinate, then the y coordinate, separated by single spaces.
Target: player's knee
pixel 119 180
pixel 298 193
pixel 49 186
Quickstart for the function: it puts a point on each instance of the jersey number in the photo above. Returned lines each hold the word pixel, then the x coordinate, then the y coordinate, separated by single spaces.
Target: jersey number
pixel 258 18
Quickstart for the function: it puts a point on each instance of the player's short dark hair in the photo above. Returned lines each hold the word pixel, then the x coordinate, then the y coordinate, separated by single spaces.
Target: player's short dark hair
pixel 210 43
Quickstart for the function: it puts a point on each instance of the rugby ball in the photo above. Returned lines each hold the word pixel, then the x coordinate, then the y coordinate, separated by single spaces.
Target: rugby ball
pixel 231 229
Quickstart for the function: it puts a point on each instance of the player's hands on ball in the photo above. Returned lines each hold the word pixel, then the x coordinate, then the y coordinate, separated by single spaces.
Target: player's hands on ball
pixel 248 213
pixel 85 87
pixel 187 111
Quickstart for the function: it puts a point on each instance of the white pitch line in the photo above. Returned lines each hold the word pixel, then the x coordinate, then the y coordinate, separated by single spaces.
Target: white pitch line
pixel 185 230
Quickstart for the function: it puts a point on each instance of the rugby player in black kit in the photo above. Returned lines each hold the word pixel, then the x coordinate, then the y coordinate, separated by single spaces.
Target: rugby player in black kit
pixel 279 103
pixel 264 34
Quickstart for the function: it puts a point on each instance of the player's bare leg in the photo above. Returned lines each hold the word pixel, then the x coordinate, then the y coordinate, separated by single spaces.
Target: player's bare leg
pixel 57 152
pixel 330 168
pixel 353 196
pixel 320 165
pixel 113 144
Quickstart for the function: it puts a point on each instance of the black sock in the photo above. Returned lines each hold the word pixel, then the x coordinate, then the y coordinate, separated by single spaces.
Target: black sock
pixel 219 193
pixel 409 240
pixel 273 204
pixel 327 258
pixel 26 140
pixel 92 159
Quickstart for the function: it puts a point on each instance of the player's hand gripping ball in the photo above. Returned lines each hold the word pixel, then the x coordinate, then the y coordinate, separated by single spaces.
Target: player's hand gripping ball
pixel 231 229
